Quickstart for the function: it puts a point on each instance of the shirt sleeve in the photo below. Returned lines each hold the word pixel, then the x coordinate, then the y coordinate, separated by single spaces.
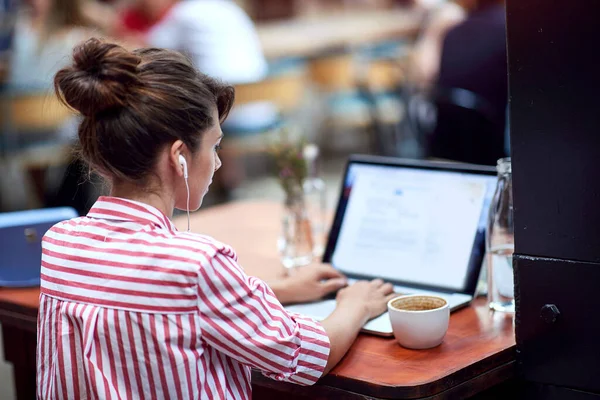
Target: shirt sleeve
pixel 242 318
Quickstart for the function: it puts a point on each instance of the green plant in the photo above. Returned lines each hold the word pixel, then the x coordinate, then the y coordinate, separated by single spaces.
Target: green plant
pixel 291 167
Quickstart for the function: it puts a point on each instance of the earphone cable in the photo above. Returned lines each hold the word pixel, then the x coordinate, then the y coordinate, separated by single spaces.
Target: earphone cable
pixel 187 186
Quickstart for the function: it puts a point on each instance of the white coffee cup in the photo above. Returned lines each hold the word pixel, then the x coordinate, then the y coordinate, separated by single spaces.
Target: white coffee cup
pixel 419 321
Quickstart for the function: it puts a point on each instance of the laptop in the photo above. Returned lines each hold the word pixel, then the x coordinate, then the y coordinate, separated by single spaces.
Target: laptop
pixel 21 234
pixel 419 225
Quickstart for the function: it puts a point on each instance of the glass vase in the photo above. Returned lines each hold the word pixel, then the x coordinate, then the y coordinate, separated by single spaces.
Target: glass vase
pixel 296 243
pixel 315 198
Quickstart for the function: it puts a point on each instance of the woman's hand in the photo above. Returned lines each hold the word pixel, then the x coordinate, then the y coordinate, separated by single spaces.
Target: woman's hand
pixel 368 297
pixel 356 304
pixel 308 283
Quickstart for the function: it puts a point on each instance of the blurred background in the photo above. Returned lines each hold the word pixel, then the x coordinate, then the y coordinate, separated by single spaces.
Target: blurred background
pixel 405 78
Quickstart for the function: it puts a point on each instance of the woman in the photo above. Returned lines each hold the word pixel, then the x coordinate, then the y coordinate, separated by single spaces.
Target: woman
pixel 222 41
pixel 128 304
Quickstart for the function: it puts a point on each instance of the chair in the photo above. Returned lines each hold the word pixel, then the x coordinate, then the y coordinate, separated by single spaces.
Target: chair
pixel 285 91
pixel 245 148
pixel 29 143
pixel 360 88
pixel 35 112
pixel 381 86
pixel 335 78
pixel 456 124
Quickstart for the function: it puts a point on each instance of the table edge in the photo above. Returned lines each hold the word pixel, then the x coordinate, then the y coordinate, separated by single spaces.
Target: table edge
pixel 495 376
pixel 17 315
pixel 426 389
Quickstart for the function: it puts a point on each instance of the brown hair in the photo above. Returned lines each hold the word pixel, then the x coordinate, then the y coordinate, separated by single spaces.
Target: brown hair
pixel 135 103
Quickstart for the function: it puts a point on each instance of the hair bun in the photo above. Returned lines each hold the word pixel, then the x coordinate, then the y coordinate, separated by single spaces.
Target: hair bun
pixel 101 78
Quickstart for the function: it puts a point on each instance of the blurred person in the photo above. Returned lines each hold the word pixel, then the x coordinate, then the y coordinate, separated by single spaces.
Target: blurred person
pixel 45 34
pixel 425 57
pixel 7 21
pixel 138 17
pixel 217 35
pixel 8 198
pixel 471 91
pixel 474 55
pixel 151 128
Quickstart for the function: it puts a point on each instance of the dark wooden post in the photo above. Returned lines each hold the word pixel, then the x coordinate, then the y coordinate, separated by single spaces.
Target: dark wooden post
pixel 554 80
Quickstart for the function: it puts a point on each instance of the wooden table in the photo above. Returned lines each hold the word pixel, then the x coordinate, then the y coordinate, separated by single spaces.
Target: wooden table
pixel 309 36
pixel 477 353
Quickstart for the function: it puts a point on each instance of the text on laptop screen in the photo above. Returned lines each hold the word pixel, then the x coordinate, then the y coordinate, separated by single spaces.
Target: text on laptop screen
pixel 412 225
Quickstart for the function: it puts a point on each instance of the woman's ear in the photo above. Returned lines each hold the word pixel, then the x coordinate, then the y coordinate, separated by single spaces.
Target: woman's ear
pixel 178 148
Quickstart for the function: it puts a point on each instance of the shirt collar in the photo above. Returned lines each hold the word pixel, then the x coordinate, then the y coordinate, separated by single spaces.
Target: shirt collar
pixel 118 209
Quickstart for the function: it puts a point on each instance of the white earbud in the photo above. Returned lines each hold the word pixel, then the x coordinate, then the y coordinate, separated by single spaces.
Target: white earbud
pixel 183 163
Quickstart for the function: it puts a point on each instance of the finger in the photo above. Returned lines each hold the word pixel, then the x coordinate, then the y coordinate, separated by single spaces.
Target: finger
pixel 390 296
pixel 332 285
pixel 386 288
pixel 327 271
pixel 377 282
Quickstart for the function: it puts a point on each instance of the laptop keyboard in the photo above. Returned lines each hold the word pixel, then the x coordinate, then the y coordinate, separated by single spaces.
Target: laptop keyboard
pixel 397 290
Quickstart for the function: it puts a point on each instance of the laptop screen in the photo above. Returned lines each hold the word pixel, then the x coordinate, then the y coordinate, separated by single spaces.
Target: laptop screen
pixel 410 225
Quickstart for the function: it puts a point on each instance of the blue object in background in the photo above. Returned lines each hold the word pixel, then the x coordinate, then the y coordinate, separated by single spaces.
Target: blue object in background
pixel 21 236
pixel 8 10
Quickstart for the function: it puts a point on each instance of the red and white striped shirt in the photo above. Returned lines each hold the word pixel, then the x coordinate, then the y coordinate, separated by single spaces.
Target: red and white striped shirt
pixel 130 308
